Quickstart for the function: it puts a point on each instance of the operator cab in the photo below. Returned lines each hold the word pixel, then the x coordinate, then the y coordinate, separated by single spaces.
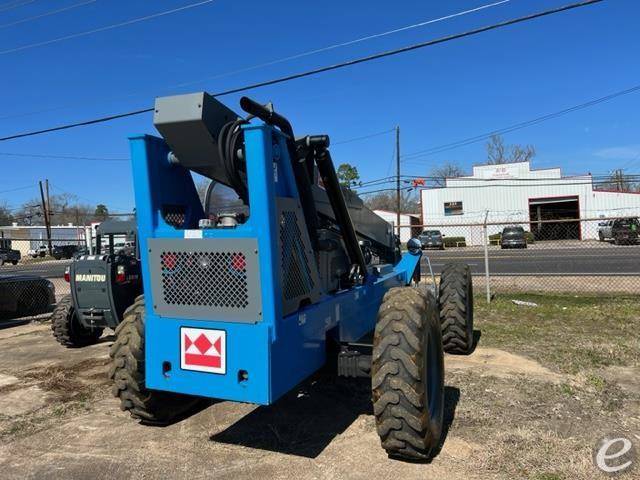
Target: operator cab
pixel 105 283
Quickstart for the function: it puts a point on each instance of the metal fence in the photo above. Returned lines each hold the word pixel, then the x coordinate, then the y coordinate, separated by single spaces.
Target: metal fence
pixel 32 276
pixel 581 256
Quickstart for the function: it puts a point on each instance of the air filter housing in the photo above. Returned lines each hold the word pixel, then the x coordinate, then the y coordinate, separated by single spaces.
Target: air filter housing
pixel 190 124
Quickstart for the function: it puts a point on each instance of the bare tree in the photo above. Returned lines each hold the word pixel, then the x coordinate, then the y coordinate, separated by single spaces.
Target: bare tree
pixel 64 209
pixel 443 171
pixel 499 153
pixel 620 182
pixel 6 218
pixel 409 202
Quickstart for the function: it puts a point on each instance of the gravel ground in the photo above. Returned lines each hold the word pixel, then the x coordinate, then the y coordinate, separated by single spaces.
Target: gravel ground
pixel 543 385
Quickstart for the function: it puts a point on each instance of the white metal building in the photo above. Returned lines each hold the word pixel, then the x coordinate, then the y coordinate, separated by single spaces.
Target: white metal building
pixel 515 193
pixel 26 237
pixel 405 219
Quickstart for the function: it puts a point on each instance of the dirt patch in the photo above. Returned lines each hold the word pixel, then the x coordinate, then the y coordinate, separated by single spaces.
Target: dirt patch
pixel 34 398
pixel 74 382
pixel 627 378
pixel 542 387
pixel 498 363
pixel 22 401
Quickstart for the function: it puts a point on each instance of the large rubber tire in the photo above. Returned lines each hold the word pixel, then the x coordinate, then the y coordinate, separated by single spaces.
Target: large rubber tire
pixel 407 374
pixel 127 371
pixel 67 329
pixel 456 308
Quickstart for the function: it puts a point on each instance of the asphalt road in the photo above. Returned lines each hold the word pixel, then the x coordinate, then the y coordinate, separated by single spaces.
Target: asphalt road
pixel 589 260
pixel 45 268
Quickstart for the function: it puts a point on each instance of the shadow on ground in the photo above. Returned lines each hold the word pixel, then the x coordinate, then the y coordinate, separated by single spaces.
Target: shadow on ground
pixel 306 420
pixel 477 334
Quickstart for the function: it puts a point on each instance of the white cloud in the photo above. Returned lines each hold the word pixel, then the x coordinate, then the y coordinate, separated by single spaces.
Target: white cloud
pixel 626 152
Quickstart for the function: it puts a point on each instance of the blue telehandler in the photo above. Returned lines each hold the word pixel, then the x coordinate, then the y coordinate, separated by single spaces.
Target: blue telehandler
pixel 279 272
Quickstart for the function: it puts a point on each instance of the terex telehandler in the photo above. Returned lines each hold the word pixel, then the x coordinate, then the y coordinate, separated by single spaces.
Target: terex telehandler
pixel 250 294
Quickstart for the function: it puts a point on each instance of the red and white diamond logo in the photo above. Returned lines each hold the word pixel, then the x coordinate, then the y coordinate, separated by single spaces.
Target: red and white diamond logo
pixel 203 350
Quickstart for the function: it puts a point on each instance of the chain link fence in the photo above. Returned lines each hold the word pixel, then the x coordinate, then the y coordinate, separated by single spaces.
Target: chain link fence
pixel 32 274
pixel 581 256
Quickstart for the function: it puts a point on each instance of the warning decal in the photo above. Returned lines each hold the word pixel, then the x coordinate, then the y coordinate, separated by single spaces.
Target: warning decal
pixel 203 350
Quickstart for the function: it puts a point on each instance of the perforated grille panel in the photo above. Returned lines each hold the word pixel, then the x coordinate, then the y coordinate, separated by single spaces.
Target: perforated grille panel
pixel 204 279
pixel 296 275
pixel 174 215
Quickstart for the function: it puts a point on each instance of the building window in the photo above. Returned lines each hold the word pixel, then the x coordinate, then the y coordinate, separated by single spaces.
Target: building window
pixel 452 208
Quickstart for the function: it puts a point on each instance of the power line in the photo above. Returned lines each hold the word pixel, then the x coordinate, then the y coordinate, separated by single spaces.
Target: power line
pixel 342 44
pixel 497 185
pixel 328 68
pixel 123 159
pixel 15 5
pixel 107 27
pixel 61 190
pixel 364 137
pixel 491 180
pixel 47 14
pixel 64 157
pixel 517 126
pixel 17 189
pixel 277 61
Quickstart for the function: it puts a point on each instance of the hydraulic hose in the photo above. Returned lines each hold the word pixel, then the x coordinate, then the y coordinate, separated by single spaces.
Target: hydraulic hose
pixel 229 143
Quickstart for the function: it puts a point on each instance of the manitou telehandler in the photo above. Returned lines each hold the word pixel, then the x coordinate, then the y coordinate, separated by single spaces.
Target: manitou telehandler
pixel 102 286
pixel 251 293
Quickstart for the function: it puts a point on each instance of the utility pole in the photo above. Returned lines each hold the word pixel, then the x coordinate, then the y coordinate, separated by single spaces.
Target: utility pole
pixel 398 179
pixel 46 191
pixel 45 213
pixel 485 240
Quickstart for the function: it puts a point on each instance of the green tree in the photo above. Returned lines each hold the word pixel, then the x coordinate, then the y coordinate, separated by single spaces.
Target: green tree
pixel 348 175
pixel 101 213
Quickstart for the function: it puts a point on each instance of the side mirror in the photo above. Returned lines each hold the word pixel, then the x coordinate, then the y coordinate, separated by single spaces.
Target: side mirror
pixel 443 235
pixel 414 246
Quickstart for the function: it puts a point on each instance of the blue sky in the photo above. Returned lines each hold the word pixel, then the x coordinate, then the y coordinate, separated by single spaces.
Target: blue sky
pixel 437 95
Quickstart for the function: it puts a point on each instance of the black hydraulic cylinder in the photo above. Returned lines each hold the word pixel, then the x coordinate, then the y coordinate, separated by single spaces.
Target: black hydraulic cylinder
pixel 339 206
pixel 300 172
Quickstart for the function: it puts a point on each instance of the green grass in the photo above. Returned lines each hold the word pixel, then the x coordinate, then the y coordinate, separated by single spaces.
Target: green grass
pixel 568 333
pixel 548 476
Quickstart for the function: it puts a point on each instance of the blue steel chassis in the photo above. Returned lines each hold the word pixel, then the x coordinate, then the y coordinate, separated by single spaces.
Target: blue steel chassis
pixel 277 352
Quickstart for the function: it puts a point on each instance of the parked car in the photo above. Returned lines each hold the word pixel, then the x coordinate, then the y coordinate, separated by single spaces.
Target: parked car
pixel 625 230
pixel 7 254
pixel 513 237
pixel 432 239
pixel 64 251
pixel 81 251
pixel 604 230
pixel 39 251
pixel 23 295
